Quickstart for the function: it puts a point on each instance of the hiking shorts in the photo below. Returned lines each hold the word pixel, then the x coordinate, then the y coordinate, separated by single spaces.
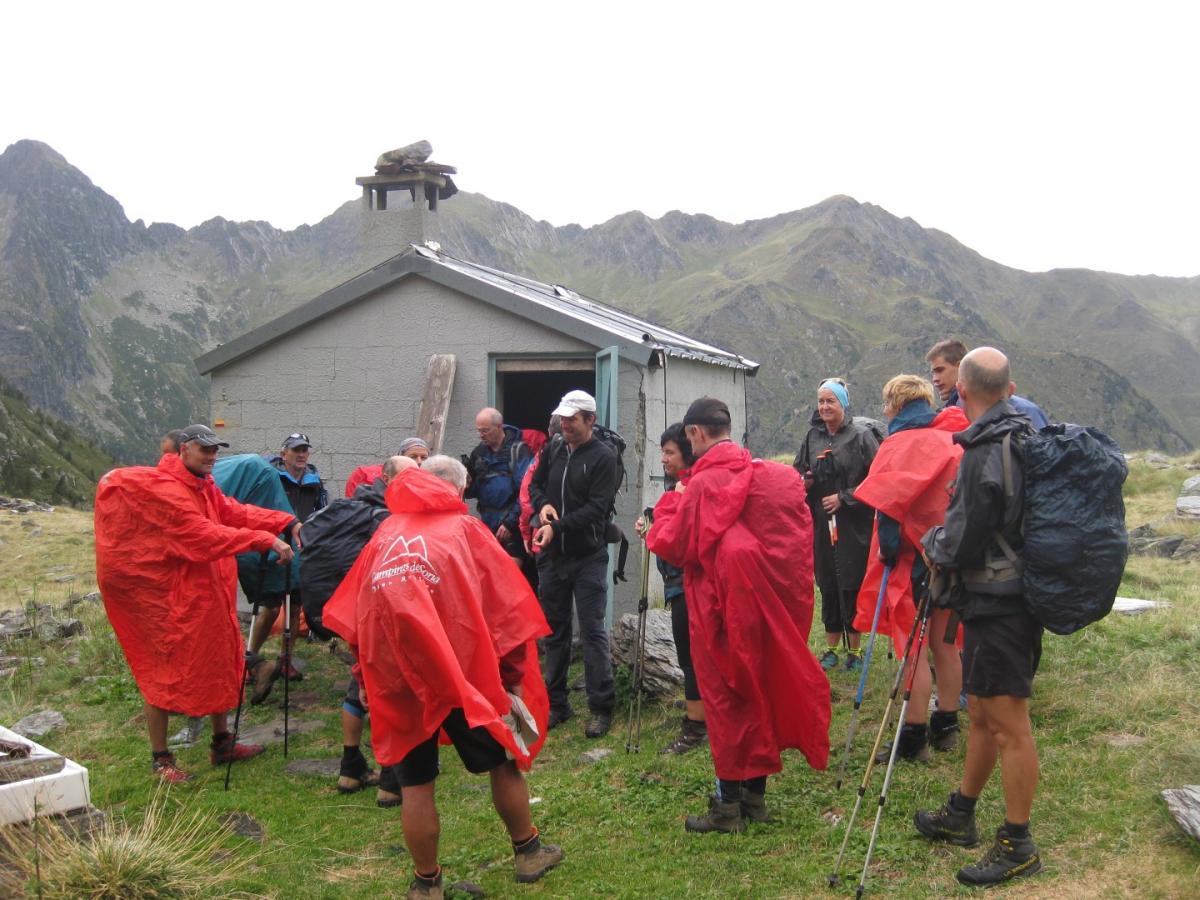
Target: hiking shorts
pixel 1001 655
pixel 479 751
pixel 274 600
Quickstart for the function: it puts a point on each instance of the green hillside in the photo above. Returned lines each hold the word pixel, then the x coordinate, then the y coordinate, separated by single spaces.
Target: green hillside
pixel 44 459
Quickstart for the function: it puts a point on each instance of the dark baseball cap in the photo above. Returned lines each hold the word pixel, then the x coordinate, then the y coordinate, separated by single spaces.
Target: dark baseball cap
pixel 202 435
pixel 296 439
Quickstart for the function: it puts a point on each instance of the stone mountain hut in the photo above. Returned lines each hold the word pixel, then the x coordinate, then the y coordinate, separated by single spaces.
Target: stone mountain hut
pixel 421 342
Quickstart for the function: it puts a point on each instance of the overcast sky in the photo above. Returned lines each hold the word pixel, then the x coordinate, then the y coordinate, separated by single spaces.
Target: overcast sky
pixel 1043 135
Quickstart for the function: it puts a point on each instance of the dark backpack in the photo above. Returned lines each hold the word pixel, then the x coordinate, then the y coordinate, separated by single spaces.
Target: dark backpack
pixel 1074 524
pixel 332 539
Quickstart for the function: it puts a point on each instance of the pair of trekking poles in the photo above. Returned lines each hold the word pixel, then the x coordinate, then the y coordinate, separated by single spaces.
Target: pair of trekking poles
pixel 913 647
pixel 285 656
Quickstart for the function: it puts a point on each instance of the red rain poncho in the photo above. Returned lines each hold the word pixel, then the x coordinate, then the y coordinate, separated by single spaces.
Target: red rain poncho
pixel 165 546
pixel 431 607
pixel 909 481
pixel 360 476
pixel 743 536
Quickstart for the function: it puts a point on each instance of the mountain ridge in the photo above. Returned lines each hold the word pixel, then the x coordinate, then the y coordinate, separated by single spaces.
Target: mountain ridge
pixel 100 317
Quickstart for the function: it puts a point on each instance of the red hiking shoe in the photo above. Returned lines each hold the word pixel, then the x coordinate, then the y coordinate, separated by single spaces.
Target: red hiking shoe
pixel 226 749
pixel 166 769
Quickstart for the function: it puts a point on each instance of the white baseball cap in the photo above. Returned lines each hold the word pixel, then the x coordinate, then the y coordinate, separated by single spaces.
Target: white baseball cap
pixel 574 402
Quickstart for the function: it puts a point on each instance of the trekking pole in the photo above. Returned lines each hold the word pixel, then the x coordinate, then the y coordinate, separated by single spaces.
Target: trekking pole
pixel 237 719
pixel 285 660
pixel 633 734
pixel 835 875
pixel 862 678
pixel 891 766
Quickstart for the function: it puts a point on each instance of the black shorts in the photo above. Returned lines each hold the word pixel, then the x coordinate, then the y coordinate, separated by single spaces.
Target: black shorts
pixel 479 751
pixel 1001 655
pixel 274 600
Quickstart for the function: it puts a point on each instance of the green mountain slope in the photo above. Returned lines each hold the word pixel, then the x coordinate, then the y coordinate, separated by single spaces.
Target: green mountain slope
pixel 42 458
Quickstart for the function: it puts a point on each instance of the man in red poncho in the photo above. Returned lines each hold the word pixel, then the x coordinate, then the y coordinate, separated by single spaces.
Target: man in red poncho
pixel 166 538
pixel 445 628
pixel 742 534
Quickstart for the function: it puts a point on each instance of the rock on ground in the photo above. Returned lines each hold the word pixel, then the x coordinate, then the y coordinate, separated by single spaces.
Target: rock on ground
pixel 1131 606
pixel 244 824
pixel 37 724
pixel 591 757
pixel 1188 507
pixel 1184 804
pixel 272 732
pixel 323 768
pixel 662 672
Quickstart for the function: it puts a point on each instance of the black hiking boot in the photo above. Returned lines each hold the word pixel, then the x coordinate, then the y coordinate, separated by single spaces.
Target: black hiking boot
pixel 943 730
pixel 558 715
pixel 692 734
pixel 598 724
pixel 914 745
pixel 754 808
pixel 1008 858
pixel 722 816
pixel 948 823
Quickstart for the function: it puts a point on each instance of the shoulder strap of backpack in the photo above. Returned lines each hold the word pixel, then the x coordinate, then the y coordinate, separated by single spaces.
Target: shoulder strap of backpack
pixel 1006 464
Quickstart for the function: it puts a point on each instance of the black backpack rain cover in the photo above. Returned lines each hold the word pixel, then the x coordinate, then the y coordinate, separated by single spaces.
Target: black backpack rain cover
pixel 1074 529
pixel 332 539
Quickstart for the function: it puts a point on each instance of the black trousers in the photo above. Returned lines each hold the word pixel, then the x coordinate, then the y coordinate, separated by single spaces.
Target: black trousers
pixel 565 583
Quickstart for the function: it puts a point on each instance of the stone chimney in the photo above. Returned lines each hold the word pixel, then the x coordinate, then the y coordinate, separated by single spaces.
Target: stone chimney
pixel 405 171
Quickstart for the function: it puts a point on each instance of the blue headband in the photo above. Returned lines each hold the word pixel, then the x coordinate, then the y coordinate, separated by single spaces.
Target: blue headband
pixel 839 391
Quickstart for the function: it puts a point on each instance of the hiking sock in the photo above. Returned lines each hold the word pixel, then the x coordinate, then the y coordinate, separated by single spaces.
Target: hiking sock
pixel 160 755
pixel 526 844
pixel 219 739
pixel 756 785
pixel 351 752
pixel 729 791
pixel 963 803
pixel 1017 832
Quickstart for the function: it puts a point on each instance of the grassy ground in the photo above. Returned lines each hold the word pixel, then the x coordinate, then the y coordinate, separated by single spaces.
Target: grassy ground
pixel 1117 716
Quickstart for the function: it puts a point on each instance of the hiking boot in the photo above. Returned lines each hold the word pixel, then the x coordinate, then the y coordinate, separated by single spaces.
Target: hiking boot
pixel 422 888
pixel 1008 858
pixel 691 735
pixel 598 725
pixel 754 807
pixel 355 774
pixel 166 769
pixel 535 859
pixel 914 745
pixel 225 748
pixel 854 660
pixel 263 673
pixel 943 730
pixel 828 660
pixel 948 824
pixel 722 816
pixel 558 716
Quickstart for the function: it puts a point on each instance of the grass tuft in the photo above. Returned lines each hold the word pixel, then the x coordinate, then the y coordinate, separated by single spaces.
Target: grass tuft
pixel 165 853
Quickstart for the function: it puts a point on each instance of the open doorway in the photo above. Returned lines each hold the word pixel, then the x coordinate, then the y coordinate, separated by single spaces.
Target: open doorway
pixel 528 390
